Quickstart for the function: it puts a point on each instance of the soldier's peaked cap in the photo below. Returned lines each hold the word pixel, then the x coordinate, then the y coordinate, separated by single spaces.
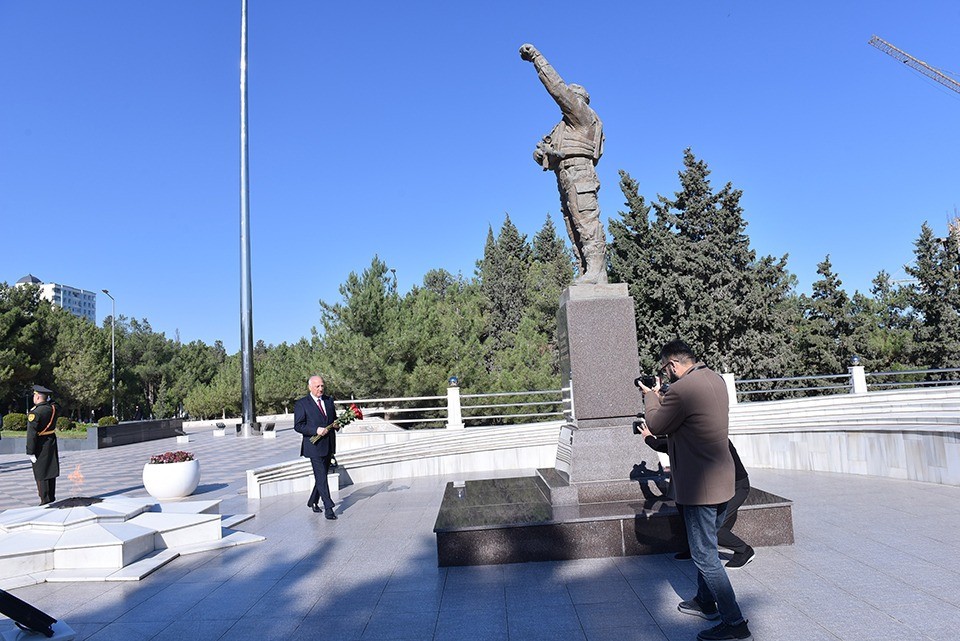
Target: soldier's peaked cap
pixel 42 390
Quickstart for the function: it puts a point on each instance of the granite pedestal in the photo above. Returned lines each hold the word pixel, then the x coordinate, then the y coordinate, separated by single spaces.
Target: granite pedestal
pixel 597 451
pixel 511 521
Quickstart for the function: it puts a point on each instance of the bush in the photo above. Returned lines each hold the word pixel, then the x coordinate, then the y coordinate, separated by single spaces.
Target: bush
pixel 15 421
pixel 107 420
pixel 64 423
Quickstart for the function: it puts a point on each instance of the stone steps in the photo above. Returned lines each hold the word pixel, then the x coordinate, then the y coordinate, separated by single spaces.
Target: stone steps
pixel 435 446
pixel 118 539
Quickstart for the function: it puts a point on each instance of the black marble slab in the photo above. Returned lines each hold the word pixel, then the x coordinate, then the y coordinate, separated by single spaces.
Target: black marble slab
pixel 511 521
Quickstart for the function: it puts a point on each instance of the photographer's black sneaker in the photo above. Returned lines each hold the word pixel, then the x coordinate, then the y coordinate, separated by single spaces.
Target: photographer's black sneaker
pixel 740 559
pixel 724 632
pixel 693 607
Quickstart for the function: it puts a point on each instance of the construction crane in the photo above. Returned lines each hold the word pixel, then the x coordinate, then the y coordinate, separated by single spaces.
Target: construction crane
pixel 919 65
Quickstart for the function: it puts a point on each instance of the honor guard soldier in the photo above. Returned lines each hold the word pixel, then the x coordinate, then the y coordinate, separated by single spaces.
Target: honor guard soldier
pixel 42 443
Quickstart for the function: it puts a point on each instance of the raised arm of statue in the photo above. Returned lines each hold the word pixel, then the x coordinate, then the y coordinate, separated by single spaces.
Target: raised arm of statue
pixel 572 105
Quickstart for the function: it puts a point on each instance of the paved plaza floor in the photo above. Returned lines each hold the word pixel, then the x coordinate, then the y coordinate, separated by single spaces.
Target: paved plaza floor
pixel 874 559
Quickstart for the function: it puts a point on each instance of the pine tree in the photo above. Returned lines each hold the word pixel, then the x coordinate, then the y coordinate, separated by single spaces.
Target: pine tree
pixel 935 299
pixel 503 282
pixel 27 337
pixel 82 373
pixel 693 275
pixel 880 332
pixel 359 347
pixel 636 258
pixel 825 335
pixel 551 271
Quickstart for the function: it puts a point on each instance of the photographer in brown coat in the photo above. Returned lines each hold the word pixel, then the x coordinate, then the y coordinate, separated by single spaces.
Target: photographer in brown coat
pixel 694 413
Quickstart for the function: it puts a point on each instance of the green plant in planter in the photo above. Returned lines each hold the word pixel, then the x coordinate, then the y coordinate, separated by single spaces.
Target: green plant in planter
pixel 107 420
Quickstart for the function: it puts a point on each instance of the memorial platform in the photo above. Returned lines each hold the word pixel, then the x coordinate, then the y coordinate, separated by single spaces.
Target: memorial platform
pixel 874 558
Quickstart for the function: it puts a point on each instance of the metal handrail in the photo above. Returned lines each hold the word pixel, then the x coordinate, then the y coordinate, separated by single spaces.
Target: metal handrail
pixel 475 407
pixel 915 371
pixel 552 391
pixel 792 378
pixel 392 400
pixel 790 389
pixel 407 410
pixel 477 418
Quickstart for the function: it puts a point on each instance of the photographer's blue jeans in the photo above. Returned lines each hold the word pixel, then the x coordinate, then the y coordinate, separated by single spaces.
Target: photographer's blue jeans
pixel 713 585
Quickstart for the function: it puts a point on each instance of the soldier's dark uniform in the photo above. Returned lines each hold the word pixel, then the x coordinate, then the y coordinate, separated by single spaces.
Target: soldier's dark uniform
pixel 42 443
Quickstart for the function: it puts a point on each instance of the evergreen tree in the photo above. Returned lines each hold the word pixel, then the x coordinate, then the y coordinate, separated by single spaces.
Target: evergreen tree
pixel 219 399
pixel 638 257
pixel 880 332
pixel 551 271
pixel 442 330
pixel 193 364
pixel 825 337
pixel 935 299
pixel 503 283
pixel 359 348
pixel 27 338
pixel 693 275
pixel 142 358
pixel 278 381
pixel 82 371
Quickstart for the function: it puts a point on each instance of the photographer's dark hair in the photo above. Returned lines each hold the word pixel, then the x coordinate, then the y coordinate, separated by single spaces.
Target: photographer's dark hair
pixel 677 349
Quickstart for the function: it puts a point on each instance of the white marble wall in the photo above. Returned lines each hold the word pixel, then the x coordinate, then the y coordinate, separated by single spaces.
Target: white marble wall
pixel 918 455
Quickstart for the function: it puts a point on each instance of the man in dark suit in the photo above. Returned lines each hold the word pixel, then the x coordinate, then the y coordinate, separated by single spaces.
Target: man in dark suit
pixel 313 415
pixel 42 443
pixel 695 414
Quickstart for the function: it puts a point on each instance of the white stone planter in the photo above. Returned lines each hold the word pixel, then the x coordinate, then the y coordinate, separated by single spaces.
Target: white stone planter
pixel 171 480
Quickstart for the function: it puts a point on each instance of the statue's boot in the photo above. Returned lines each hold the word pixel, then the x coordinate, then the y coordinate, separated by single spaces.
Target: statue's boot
pixel 596 272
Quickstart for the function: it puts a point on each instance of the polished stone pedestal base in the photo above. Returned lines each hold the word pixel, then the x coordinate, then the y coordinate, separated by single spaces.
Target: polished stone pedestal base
pixel 511 521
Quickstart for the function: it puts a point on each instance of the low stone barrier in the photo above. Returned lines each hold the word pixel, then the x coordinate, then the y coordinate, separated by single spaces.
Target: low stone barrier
pixel 100 437
pixel 426 453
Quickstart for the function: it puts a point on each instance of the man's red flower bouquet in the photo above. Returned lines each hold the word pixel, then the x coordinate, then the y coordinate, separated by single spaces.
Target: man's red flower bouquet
pixel 345 417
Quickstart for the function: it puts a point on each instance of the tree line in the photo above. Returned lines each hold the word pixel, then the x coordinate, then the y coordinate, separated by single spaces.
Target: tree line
pixel 686 259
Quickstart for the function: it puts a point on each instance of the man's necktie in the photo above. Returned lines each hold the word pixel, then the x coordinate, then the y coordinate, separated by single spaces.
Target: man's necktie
pixel 320 405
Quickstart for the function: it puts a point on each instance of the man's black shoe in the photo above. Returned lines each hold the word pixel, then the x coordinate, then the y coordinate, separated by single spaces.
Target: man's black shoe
pixel 329 514
pixel 313 506
pixel 724 632
pixel 695 608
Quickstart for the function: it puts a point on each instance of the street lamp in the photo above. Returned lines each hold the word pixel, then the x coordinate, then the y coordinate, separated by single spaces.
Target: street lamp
pixel 113 351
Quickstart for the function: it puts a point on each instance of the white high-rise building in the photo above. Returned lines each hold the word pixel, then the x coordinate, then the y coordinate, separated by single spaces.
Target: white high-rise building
pixel 78 302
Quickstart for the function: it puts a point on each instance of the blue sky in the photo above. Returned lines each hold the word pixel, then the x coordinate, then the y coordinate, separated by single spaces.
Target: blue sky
pixel 407 129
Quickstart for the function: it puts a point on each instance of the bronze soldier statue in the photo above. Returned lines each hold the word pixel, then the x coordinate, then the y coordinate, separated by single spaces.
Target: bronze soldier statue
pixel 572 150
pixel 42 444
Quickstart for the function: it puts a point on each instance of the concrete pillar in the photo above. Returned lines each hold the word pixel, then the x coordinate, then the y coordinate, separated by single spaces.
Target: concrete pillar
pixel 858 379
pixel 454 415
pixel 731 387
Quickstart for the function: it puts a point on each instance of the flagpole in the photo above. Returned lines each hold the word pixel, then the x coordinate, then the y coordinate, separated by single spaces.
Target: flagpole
pixel 246 296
